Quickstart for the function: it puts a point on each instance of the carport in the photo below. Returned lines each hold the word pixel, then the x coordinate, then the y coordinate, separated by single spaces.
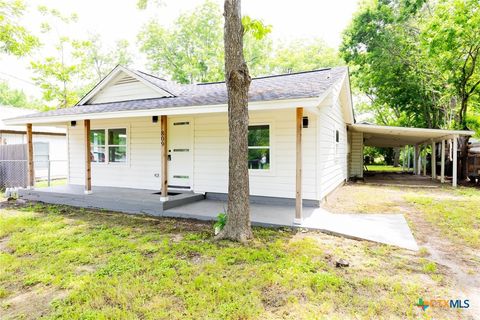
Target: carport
pixel 420 141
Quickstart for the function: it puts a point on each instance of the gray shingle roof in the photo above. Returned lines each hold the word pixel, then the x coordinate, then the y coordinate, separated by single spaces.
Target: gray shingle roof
pixel 307 84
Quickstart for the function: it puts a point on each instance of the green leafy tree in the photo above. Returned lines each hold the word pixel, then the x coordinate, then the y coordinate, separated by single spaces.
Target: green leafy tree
pixel 75 65
pixel 303 55
pixel 451 38
pixel 97 60
pixel 192 50
pixel 382 47
pixel 16 98
pixel 15 39
pixel 58 75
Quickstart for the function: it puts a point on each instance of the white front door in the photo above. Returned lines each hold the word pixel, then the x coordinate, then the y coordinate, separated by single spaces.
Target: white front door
pixel 180 153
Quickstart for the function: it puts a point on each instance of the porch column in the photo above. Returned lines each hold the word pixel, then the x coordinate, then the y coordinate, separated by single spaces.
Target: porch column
pixel 434 160
pixel 298 173
pixel 454 167
pixel 164 191
pixel 424 165
pixel 419 161
pixel 442 166
pixel 30 163
pixel 88 160
pixel 408 158
pixel 415 159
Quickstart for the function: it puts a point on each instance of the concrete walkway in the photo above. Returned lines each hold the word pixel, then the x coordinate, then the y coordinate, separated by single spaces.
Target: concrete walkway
pixel 389 229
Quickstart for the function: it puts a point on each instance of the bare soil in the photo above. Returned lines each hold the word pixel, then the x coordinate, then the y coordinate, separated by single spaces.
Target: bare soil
pixel 462 263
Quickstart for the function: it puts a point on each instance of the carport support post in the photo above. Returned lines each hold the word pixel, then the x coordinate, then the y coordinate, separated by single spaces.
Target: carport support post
pixel 454 168
pixel 415 159
pixel 88 160
pixel 415 154
pixel 442 166
pixel 298 173
pixel 424 164
pixel 163 128
pixel 434 160
pixel 408 158
pixel 30 163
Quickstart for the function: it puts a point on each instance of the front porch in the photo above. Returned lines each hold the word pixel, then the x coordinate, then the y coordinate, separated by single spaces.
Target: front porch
pixel 390 229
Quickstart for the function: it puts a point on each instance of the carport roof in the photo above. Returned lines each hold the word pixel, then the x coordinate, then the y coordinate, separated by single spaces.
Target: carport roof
pixel 388 136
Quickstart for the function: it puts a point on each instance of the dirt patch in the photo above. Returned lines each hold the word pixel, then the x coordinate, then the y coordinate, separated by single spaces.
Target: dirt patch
pixel 459 264
pixel 4 246
pixel 274 296
pixel 88 268
pixel 31 304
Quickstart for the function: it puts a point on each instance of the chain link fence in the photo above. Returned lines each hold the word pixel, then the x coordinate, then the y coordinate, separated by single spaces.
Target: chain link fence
pixel 14 173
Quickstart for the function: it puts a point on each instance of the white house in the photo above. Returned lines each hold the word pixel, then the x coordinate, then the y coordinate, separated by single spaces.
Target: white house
pixel 303 142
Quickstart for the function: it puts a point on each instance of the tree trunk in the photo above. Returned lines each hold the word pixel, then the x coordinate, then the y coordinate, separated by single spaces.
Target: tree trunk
pixel 238 79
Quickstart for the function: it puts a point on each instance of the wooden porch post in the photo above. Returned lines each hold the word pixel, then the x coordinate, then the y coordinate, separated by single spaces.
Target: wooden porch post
pixel 454 168
pixel 442 166
pixel 434 160
pixel 298 174
pixel 164 126
pixel 415 159
pixel 30 163
pixel 88 160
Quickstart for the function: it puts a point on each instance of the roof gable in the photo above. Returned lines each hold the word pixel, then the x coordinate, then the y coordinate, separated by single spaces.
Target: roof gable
pixel 122 84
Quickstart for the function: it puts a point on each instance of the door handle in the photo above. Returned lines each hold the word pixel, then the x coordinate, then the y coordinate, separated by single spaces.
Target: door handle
pixel 169 157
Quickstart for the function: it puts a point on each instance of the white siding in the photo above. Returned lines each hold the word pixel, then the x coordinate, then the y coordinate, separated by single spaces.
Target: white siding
pixel 356 162
pixel 332 156
pixel 143 153
pixel 210 155
pixel 124 88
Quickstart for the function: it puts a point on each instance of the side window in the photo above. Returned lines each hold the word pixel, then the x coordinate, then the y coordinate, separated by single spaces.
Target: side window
pixel 336 135
pixel 108 145
pixel 117 145
pixel 259 147
pixel 97 145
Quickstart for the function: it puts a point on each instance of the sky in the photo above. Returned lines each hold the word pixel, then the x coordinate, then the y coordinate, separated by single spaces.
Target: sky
pixel 120 19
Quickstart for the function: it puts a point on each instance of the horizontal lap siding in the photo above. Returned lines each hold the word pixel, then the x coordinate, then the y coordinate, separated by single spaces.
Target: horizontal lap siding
pixel 211 155
pixel 332 163
pixel 143 151
pixel 356 161
pixel 124 92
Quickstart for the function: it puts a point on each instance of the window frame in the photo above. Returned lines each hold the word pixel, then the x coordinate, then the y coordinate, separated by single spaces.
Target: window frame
pixel 107 146
pixel 336 132
pixel 269 171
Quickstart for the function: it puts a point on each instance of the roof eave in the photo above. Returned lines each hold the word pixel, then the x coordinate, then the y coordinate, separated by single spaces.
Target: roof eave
pixel 205 109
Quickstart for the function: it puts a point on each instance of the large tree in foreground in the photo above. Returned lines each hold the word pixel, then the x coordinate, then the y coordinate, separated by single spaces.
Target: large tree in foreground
pixel 238 81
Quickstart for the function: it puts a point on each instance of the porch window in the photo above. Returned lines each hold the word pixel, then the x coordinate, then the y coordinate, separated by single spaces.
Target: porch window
pixel 108 145
pixel 259 147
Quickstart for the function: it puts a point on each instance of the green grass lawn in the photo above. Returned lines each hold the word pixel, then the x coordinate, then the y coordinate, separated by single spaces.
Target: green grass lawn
pixel 383 168
pixel 67 263
pixel 457 216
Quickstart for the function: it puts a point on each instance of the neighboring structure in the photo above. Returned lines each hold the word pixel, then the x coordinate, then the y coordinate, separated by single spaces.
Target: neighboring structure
pixel 135 130
pixel 49 143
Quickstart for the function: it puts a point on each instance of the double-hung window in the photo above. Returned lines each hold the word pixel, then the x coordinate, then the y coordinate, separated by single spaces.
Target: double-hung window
pixel 108 145
pixel 259 147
